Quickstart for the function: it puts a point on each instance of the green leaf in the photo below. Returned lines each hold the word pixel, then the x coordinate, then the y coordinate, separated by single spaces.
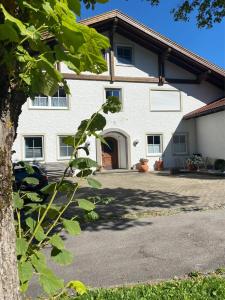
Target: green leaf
pixel 31 223
pixel 21 27
pixel 21 246
pixel 82 163
pixel 31 180
pixel 73 227
pixel 69 140
pixel 18 202
pixel 98 123
pixel 50 283
pixel 25 271
pixel 34 197
pixel 23 287
pixel 75 6
pixel 113 105
pixel 84 173
pixel 86 205
pixel 29 169
pixel 7 32
pixel 40 235
pixel 91 216
pixel 49 189
pixel 57 242
pixel 61 257
pixel 38 261
pixel 94 183
pixel 67 186
pixel 78 287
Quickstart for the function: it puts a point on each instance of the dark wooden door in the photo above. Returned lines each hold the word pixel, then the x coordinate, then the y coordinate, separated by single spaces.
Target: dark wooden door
pixel 110 154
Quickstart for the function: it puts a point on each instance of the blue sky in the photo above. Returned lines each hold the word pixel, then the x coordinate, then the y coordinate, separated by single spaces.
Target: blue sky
pixel 208 43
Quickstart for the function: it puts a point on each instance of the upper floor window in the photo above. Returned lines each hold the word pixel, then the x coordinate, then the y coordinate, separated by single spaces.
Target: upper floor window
pixel 113 92
pixel 57 101
pixel 154 144
pixel 180 143
pixel 124 55
pixel 33 147
pixel 165 100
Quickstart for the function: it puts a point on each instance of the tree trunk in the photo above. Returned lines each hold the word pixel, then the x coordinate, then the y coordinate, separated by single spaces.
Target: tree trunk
pixel 10 108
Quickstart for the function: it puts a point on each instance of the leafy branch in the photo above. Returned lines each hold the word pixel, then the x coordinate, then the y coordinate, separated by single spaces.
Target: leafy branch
pixel 42 223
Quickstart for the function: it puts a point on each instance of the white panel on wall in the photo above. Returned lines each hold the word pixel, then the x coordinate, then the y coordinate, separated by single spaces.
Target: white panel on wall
pixel 165 100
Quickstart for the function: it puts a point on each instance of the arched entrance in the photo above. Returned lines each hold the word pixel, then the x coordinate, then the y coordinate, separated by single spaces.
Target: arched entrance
pixel 110 153
pixel 117 155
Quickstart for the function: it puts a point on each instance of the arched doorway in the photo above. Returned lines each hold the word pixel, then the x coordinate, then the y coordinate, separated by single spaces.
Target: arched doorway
pixel 119 152
pixel 110 153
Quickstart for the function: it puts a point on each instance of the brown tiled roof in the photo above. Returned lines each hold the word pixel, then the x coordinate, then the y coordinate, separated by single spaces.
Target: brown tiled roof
pixel 210 108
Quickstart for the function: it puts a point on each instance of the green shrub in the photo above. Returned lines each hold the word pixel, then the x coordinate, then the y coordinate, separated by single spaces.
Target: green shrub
pixel 219 165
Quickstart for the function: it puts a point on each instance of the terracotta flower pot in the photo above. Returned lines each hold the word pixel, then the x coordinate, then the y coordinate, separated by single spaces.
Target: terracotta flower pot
pixel 143 167
pixel 191 167
pixel 159 165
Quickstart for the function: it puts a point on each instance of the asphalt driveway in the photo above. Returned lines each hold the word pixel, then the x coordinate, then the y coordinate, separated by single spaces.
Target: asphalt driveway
pixel 117 250
pixel 148 250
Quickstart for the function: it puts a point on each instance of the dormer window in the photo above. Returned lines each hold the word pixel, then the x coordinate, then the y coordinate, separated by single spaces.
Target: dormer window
pixel 124 55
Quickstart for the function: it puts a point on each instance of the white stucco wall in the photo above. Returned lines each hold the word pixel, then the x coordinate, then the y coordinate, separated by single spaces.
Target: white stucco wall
pixel 135 119
pixel 210 135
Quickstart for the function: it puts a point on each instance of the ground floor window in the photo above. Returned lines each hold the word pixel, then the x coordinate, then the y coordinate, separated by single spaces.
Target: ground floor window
pixel 65 151
pixel 154 144
pixel 180 143
pixel 33 147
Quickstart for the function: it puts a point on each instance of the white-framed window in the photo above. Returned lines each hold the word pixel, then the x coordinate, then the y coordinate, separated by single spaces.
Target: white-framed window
pixel 165 100
pixel 57 101
pixel 33 147
pixel 154 144
pixel 40 100
pixel 116 92
pixel 65 151
pixel 180 143
pixel 124 55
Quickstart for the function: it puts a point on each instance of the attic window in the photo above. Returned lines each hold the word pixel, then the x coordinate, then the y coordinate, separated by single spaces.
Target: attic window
pixel 124 55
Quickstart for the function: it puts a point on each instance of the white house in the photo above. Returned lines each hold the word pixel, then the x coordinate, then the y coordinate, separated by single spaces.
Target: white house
pixel 158 82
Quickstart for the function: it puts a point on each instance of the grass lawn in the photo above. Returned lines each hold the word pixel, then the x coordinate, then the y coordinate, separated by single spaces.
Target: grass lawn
pixel 200 288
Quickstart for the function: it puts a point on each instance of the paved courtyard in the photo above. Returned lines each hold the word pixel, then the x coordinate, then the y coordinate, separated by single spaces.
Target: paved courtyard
pixel 155 193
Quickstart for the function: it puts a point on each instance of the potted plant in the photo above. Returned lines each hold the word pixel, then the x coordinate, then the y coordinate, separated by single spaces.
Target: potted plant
pixel 159 165
pixel 194 162
pixel 143 165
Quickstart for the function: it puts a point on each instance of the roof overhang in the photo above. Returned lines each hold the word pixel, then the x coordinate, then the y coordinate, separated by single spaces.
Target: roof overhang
pixel 148 38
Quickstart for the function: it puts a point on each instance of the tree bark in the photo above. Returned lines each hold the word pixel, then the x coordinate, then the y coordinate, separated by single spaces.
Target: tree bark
pixel 10 108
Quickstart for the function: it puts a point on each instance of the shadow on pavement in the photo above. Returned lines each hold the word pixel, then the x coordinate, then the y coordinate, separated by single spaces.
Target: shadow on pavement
pixel 130 201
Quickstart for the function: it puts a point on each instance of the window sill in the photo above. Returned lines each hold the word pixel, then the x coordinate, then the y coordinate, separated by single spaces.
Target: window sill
pixel 48 108
pixel 154 154
pixel 34 159
pixel 64 158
